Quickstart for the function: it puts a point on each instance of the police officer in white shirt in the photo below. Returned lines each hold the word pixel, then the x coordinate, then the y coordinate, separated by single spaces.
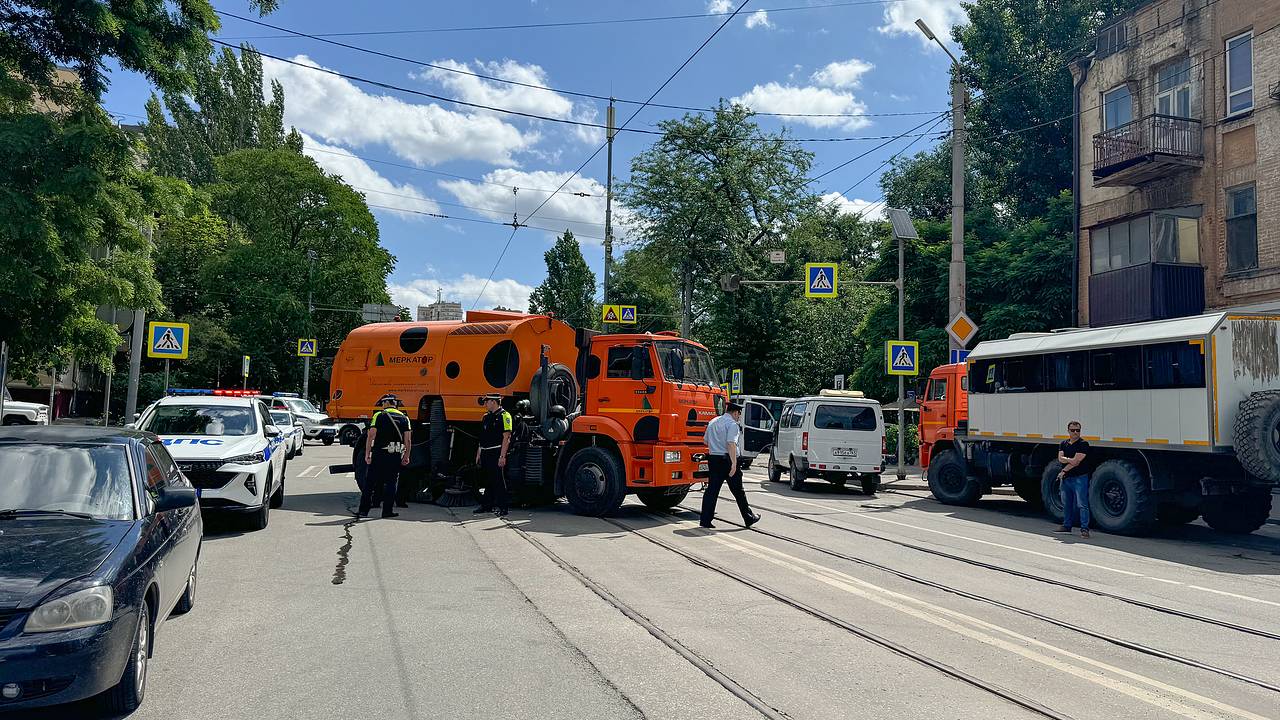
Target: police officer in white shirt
pixel 722 445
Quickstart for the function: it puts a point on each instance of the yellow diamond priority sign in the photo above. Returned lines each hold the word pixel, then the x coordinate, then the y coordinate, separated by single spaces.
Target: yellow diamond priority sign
pixel 962 328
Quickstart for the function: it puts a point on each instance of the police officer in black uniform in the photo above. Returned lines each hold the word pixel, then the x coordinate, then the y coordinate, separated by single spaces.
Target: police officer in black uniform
pixel 491 456
pixel 386 450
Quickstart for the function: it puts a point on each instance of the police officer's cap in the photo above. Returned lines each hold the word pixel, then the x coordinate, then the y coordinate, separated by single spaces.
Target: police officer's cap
pixel 491 396
pixel 733 406
pixel 391 398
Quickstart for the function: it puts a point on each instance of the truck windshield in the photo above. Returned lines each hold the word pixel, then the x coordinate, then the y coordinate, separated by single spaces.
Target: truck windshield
pixel 682 361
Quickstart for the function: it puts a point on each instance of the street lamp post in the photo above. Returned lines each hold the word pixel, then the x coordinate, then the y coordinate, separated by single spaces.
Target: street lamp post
pixel 306 359
pixel 959 97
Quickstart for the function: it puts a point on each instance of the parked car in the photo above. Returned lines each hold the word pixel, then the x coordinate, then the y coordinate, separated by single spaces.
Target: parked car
pixel 100 536
pixel 229 447
pixel 291 431
pixel 315 424
pixel 837 435
pixel 760 414
pixel 23 413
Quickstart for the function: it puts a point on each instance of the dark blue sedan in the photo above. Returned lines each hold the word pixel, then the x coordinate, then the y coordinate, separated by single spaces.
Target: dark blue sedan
pixel 99 543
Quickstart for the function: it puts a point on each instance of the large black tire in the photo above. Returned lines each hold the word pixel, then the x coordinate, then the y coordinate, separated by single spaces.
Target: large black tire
pixel 259 520
pixel 1172 514
pixel 949 480
pixel 1051 491
pixel 349 434
pixel 127 695
pixel 660 499
pixel 1120 499
pixel 1257 440
pixel 775 470
pixel 1029 490
pixel 327 441
pixel 797 476
pixel 188 599
pixel 870 484
pixel 594 482
pixel 1237 514
pixel 563 386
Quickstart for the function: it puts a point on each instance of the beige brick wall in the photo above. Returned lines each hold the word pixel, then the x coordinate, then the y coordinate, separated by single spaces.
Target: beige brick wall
pixel 1238 151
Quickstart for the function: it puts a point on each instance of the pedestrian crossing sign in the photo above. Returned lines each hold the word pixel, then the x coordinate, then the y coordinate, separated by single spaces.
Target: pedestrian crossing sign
pixel 736 383
pixel 627 314
pixel 306 347
pixel 168 340
pixel 901 357
pixel 618 314
pixel 821 280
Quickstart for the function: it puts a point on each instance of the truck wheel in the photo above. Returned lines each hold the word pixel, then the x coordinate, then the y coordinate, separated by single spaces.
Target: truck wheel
pixel 660 499
pixel 1120 498
pixel 594 483
pixel 1029 489
pixel 949 480
pixel 1237 514
pixel 1257 440
pixel 348 435
pixel 797 476
pixel 870 484
pixel 1172 514
pixel 775 470
pixel 327 441
pixel 1051 491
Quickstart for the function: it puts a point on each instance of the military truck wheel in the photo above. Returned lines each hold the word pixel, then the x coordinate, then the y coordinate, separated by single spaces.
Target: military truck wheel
pixel 1120 499
pixel 1172 514
pixel 1257 440
pixel 660 499
pixel 1029 489
pixel 1051 491
pixel 949 480
pixel 1238 514
pixel 593 483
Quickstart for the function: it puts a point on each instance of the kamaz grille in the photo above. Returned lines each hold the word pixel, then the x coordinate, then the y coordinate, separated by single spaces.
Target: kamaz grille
pixel 482 329
pixel 209 480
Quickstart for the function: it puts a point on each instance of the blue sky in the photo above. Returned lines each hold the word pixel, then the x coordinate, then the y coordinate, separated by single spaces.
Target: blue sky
pixel 855 59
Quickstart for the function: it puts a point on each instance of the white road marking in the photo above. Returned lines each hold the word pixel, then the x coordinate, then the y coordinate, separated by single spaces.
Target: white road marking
pixel 304 472
pixel 1058 558
pixel 934 614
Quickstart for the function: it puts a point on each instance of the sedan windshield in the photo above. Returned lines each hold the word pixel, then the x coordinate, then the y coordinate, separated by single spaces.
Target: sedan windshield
pixel 89 479
pixel 200 420
pixel 682 361
pixel 299 405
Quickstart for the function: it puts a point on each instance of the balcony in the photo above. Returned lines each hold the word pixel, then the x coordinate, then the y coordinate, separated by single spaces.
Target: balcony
pixel 1146 149
pixel 1151 291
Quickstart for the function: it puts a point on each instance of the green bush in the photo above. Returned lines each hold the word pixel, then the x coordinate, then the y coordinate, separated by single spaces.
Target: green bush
pixel 913 441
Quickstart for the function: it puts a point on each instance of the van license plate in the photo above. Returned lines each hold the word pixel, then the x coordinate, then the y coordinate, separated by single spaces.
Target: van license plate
pixel 845 452
pixel 704 467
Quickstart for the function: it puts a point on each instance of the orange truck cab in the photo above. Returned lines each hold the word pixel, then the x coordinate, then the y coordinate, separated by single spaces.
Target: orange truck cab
pixel 944 404
pixel 596 417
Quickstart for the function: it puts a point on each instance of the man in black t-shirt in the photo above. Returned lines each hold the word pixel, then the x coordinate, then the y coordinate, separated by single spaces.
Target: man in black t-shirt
pixel 386 450
pixel 491 454
pixel 1073 453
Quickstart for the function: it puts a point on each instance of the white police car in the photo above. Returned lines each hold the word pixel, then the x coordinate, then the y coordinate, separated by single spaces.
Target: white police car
pixel 228 447
pixel 315 424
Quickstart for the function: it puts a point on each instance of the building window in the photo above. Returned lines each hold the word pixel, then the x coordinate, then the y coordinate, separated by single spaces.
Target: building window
pixel 1242 229
pixel 1240 74
pixel 1112 39
pixel 1167 237
pixel 1175 239
pixel 1117 108
pixel 1173 89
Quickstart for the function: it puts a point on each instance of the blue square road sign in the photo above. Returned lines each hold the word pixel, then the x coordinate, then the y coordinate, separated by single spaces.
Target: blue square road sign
pixel 902 357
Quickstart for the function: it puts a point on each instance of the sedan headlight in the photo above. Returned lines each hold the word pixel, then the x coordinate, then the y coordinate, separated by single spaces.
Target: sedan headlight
pixel 250 459
pixel 671 456
pixel 91 606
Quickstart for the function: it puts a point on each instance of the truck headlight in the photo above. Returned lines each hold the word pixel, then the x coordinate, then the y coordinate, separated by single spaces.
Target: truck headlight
pixel 250 459
pixel 671 456
pixel 91 606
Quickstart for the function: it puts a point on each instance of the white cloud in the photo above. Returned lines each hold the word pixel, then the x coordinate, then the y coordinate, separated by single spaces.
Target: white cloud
pixel 486 92
pixel 845 74
pixel 776 98
pixel 720 6
pixel 337 111
pixel 582 215
pixel 377 189
pixel 759 18
pixel 422 291
pixel 939 15
pixel 845 206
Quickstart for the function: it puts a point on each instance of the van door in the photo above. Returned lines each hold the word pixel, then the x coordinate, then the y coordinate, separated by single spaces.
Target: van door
pixel 846 434
pixel 757 428
pixel 794 445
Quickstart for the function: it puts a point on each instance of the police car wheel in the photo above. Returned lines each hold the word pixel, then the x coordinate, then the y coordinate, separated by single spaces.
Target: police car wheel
pixel 259 520
pixel 277 497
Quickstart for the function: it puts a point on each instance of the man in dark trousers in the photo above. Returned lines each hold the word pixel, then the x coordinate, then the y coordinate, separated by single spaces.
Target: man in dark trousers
pixel 386 450
pixel 491 455
pixel 722 445
pixel 1073 453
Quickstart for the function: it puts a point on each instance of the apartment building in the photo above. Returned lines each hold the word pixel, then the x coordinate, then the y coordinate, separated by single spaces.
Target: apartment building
pixel 1177 175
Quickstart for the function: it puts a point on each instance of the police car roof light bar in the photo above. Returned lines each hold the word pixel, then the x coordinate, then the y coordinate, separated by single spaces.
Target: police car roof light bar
pixel 284 394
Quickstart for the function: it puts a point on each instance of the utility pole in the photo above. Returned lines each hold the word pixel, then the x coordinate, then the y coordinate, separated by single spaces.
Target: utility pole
pixel 135 351
pixel 959 97
pixel 902 387
pixel 306 361
pixel 608 201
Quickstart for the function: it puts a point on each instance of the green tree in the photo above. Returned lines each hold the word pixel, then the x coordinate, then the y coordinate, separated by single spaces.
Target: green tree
pixel 569 290
pixel 229 113
pixel 638 280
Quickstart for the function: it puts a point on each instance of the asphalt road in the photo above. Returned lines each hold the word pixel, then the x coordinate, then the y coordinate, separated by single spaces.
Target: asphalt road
pixel 840 606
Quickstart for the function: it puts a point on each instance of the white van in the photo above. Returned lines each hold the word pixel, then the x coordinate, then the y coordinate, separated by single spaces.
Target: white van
pixel 837 436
